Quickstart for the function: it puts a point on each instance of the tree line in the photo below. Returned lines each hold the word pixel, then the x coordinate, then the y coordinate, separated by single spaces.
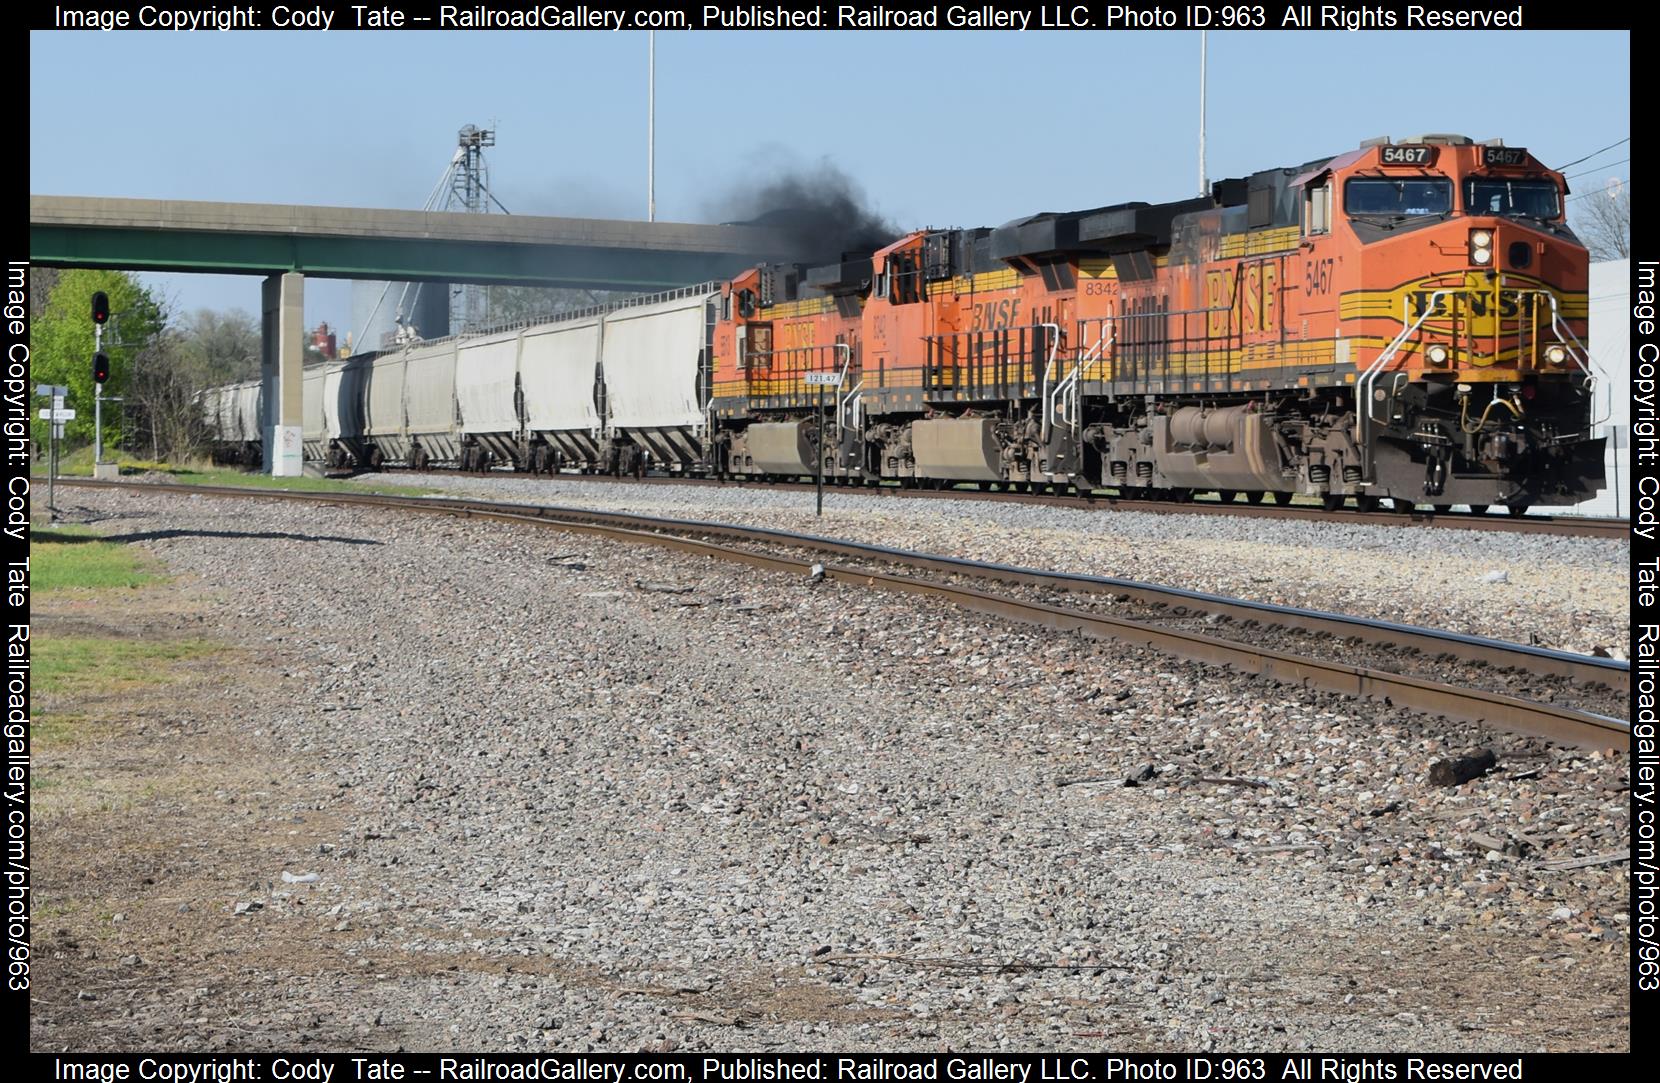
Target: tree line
pixel 159 361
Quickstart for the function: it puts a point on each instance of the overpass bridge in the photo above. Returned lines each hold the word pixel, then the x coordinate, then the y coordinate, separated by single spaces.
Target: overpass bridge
pixel 285 243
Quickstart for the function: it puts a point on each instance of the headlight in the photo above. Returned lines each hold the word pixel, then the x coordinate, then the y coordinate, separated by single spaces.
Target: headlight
pixel 1556 355
pixel 1481 247
pixel 1437 354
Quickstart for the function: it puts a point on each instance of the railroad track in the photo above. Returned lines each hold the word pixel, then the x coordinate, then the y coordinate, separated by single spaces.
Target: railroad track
pixel 1565 525
pixel 767 549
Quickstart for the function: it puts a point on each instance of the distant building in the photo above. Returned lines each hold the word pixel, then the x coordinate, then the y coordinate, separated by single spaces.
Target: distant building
pixel 323 341
pixel 1611 353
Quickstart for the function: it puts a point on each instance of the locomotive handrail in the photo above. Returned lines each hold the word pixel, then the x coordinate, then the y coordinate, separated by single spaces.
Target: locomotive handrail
pixel 1067 387
pixel 1363 387
pixel 841 377
pixel 1048 367
pixel 1592 379
pixel 849 404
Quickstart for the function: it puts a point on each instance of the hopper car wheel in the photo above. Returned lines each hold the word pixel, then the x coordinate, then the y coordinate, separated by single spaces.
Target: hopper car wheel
pixel 1332 501
pixel 1254 496
pixel 1442 509
pixel 1400 505
pixel 1226 496
pixel 1282 498
pixel 377 458
pixel 1517 509
pixel 1366 502
pixel 1479 509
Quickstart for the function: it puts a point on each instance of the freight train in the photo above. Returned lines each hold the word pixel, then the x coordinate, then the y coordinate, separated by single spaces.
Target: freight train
pixel 1406 320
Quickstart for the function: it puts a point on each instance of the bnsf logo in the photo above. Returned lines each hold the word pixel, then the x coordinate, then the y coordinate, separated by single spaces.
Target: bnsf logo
pixel 1477 304
pixel 996 315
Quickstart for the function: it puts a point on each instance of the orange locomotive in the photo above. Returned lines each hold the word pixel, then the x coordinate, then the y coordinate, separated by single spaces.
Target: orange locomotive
pixel 1404 321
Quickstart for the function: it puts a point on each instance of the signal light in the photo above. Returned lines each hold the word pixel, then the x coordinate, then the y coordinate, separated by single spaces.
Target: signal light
pixel 100 366
pixel 100 307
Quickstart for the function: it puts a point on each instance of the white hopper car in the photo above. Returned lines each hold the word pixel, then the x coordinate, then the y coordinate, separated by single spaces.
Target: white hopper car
pixel 606 389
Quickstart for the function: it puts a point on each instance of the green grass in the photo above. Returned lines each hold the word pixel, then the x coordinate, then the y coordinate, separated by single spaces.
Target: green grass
pixel 97 664
pixel 94 667
pixel 71 558
pixel 91 667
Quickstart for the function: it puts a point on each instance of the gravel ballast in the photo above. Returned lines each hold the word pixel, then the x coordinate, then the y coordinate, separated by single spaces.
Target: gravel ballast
pixel 1569 593
pixel 584 796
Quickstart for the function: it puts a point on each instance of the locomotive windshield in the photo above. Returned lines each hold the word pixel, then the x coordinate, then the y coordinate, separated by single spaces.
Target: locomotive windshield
pixel 1534 197
pixel 1403 196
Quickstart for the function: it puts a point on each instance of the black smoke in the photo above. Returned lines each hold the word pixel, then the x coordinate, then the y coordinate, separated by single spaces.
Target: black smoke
pixel 821 211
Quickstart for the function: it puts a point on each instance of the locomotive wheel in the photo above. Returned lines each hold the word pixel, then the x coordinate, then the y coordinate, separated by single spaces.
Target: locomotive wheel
pixel 1517 509
pixel 1282 498
pixel 1254 496
pixel 1332 501
pixel 1479 509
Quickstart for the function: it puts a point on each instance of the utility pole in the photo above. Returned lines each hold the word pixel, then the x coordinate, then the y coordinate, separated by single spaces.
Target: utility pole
pixel 651 125
pixel 1204 180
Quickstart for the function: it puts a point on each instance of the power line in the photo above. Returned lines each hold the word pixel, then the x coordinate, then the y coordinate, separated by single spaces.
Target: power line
pixel 1594 153
pixel 1625 183
pixel 1598 169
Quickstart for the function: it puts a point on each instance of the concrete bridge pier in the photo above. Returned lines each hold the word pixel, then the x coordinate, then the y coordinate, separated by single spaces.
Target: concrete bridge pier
pixel 282 357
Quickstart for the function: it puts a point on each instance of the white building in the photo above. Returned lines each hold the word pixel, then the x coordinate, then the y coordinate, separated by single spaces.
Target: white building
pixel 1610 344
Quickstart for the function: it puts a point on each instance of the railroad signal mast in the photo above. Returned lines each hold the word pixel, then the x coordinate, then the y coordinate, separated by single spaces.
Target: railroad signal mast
pixel 100 373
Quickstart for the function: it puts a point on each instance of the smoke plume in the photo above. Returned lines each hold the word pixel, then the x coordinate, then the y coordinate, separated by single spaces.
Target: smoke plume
pixel 822 212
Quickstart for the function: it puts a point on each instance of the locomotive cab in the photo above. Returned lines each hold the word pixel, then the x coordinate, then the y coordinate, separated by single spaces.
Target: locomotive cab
pixel 1464 313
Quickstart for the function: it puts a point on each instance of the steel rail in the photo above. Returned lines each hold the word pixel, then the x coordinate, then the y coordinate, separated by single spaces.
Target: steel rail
pixel 1612 672
pixel 1564 725
pixel 1557 525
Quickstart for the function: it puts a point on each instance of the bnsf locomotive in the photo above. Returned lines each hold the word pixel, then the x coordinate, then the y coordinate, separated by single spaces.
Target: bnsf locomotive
pixel 1403 321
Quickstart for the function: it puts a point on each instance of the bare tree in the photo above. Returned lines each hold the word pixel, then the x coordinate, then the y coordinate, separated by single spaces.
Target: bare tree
pixel 163 408
pixel 221 347
pixel 1603 222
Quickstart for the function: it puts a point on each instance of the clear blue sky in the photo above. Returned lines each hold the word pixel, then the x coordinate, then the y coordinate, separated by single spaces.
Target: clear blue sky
pixel 939 128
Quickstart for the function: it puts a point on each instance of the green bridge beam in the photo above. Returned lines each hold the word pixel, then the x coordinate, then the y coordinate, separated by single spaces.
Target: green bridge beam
pixel 400 260
pixel 401 246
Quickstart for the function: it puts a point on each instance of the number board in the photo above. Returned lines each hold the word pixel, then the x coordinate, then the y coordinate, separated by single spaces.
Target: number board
pixel 1408 155
pixel 824 379
pixel 1503 155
